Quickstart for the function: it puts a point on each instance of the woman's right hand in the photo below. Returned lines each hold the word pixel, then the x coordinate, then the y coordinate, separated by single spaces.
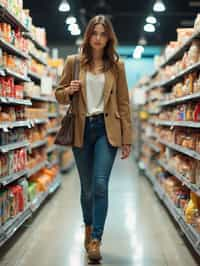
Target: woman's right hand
pixel 74 87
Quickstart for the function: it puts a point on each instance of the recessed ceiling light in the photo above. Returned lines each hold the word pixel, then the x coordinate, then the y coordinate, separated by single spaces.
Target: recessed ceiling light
pixel 149 28
pixel 73 27
pixel 151 20
pixel 159 6
pixel 70 20
pixel 64 6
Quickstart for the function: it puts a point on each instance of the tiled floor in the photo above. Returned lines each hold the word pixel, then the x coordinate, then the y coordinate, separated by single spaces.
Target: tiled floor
pixel 138 232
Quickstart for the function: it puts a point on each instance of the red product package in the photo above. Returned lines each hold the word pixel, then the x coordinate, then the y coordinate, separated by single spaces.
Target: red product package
pixel 3 87
pixel 197 113
pixel 20 198
pixel 19 91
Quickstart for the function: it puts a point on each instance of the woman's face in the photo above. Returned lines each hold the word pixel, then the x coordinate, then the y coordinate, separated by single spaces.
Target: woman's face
pixel 99 37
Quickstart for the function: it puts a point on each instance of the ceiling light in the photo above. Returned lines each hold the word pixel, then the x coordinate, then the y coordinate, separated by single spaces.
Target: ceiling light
pixel 149 28
pixel 64 6
pixel 70 20
pixel 73 27
pixel 159 6
pixel 151 20
pixel 76 32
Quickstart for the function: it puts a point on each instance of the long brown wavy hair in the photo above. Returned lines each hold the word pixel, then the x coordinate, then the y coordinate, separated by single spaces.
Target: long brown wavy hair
pixel 110 56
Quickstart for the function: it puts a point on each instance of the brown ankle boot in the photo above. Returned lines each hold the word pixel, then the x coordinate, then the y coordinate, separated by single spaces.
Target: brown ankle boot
pixel 94 250
pixel 88 231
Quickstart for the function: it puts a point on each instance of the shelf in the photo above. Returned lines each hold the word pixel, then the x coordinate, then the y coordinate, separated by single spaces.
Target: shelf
pixel 52 115
pixel 9 179
pixel 192 235
pixel 51 164
pixel 9 100
pixel 175 79
pixel 181 149
pixel 12 49
pixel 194 96
pixel 2 72
pixel 52 148
pixel 38 59
pixel 154 112
pixel 17 76
pixel 175 123
pixel 34 76
pixel 13 146
pixel 150 176
pixel 38 144
pixel 40 121
pixel 37 202
pixel 181 177
pixel 53 130
pixel 151 145
pixel 13 225
pixel 44 99
pixel 179 53
pixel 9 125
pixel 55 185
pixel 37 168
pixel 37 44
pixel 10 18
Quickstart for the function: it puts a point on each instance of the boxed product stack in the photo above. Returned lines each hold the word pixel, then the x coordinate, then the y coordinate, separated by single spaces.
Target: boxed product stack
pixel 170 153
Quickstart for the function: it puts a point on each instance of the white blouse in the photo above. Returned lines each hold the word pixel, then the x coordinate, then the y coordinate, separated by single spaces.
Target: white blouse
pixel 95 91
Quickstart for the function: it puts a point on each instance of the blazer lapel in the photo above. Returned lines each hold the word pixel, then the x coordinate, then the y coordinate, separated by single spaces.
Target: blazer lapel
pixel 108 85
pixel 82 77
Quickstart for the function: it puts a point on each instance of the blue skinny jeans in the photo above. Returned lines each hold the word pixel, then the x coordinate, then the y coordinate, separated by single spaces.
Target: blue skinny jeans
pixel 94 163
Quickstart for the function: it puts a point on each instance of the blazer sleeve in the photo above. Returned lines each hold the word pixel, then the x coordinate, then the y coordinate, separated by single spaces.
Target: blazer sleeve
pixel 124 105
pixel 66 77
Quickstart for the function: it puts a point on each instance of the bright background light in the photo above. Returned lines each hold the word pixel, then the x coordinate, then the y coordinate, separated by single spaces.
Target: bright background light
pixel 151 20
pixel 149 28
pixel 70 20
pixel 64 6
pixel 159 6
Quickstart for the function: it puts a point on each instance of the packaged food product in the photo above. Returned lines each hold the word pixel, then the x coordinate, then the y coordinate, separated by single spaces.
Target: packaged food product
pixel 197 112
pixel 192 208
pixel 197 23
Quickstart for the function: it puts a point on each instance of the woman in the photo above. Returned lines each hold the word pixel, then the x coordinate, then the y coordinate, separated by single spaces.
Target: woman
pixel 102 122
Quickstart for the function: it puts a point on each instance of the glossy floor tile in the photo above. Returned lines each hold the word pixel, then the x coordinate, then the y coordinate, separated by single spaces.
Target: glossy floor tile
pixel 138 232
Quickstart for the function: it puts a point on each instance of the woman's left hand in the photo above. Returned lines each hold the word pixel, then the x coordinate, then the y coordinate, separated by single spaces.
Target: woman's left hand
pixel 126 150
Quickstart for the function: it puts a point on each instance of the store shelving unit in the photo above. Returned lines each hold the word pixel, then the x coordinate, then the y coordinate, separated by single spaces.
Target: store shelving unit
pixel 8 229
pixel 37 44
pixel 11 178
pixel 13 146
pixel 181 149
pixel 39 60
pixel 11 18
pixel 16 75
pixel 14 223
pixel 156 163
pixel 35 77
pixel 158 122
pixel 181 177
pixel 12 49
pixel 52 130
pixel 38 144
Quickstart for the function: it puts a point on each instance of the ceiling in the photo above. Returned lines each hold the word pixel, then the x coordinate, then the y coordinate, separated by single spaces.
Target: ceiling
pixel 128 17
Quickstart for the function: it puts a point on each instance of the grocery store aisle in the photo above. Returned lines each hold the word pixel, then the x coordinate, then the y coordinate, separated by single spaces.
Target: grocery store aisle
pixel 138 232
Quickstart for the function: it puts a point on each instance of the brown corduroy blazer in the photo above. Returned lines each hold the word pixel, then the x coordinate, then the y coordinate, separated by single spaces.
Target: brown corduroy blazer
pixel 116 104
